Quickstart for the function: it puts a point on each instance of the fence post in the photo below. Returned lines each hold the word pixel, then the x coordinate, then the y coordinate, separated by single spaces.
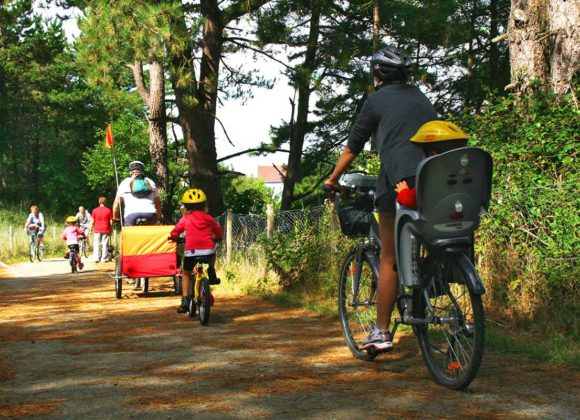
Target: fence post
pixel 53 232
pixel 269 220
pixel 229 234
pixel 11 234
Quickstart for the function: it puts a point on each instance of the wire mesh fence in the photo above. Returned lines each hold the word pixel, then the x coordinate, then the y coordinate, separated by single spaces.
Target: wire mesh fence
pixel 247 229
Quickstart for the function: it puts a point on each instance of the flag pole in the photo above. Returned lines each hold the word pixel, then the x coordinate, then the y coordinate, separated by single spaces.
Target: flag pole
pixel 110 144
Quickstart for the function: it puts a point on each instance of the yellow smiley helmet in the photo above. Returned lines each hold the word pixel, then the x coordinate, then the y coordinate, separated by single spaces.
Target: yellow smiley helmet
pixel 193 196
pixel 436 131
pixel 71 219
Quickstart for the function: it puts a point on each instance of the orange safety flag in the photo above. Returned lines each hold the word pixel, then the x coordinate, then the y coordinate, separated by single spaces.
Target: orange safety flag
pixel 109 138
pixel 146 252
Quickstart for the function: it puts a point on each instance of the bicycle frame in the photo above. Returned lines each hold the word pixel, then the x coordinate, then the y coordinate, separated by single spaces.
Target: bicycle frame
pixel 198 274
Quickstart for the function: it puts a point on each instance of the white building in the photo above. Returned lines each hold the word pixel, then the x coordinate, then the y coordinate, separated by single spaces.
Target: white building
pixel 272 178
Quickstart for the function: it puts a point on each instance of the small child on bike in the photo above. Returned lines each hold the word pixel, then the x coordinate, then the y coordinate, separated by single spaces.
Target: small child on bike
pixel 201 233
pixel 434 137
pixel 71 235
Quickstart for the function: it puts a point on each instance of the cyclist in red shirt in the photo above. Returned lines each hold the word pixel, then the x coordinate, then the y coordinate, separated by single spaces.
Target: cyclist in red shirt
pixel 201 233
pixel 102 220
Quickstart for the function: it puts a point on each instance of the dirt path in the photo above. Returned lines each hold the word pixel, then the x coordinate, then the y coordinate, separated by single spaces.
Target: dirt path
pixel 70 349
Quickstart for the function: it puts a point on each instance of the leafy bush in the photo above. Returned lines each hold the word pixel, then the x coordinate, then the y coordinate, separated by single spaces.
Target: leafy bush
pixel 528 244
pixel 307 258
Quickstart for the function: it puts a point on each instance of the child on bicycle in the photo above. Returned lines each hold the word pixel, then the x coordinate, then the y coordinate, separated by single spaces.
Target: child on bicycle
pixel 434 137
pixel 201 233
pixel 71 235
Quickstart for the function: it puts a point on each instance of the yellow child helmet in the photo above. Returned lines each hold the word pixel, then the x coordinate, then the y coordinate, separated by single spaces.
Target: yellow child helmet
pixel 71 219
pixel 193 196
pixel 437 130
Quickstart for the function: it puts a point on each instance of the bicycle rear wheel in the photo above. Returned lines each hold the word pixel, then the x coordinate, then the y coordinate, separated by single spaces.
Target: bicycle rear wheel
pixel 73 261
pixel 452 342
pixel 357 302
pixel 204 301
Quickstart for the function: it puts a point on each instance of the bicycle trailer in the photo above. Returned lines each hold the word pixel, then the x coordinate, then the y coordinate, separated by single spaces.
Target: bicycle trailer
pixel 145 252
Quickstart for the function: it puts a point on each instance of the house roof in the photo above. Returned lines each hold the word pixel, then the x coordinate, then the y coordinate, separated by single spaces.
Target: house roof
pixel 269 174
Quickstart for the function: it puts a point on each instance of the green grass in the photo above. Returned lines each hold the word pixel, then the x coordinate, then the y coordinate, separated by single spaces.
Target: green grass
pixel 555 349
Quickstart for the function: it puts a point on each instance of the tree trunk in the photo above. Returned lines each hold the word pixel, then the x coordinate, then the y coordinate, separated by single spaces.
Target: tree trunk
pixel 564 22
pixel 154 99
pixel 196 100
pixel 544 43
pixel 304 76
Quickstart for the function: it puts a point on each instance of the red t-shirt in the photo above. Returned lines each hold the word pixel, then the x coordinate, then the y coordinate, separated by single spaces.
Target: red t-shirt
pixel 201 230
pixel 102 217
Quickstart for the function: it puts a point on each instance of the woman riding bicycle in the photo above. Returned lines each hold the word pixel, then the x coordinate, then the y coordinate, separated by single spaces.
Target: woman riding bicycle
pixel 35 224
pixel 393 114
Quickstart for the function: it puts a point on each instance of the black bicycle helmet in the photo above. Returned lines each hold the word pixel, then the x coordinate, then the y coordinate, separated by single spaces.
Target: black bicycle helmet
pixel 136 165
pixel 390 64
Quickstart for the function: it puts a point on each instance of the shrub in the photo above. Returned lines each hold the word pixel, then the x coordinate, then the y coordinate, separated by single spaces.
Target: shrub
pixel 528 244
pixel 307 257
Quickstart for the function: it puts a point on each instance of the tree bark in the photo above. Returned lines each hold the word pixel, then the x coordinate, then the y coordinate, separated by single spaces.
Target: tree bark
pixel 564 23
pixel 528 22
pixel 544 43
pixel 304 76
pixel 154 99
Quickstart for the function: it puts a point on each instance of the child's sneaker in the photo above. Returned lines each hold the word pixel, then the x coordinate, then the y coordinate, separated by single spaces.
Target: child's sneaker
pixel 184 305
pixel 379 339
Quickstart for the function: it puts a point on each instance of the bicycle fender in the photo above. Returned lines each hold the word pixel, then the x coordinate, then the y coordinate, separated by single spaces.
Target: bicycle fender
pixel 474 283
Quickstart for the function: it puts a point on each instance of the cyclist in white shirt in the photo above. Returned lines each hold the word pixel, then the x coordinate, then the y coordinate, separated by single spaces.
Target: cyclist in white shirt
pixel 35 222
pixel 139 195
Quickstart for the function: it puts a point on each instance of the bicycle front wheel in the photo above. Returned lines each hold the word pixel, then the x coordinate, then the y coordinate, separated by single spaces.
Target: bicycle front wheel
pixel 204 301
pixel 357 302
pixel 40 252
pixel 32 250
pixel 452 342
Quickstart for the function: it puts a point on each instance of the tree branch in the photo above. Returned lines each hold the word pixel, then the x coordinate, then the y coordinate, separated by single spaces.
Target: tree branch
pixel 240 8
pixel 257 149
pixel 271 57
pixel 137 68
pixel 225 131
